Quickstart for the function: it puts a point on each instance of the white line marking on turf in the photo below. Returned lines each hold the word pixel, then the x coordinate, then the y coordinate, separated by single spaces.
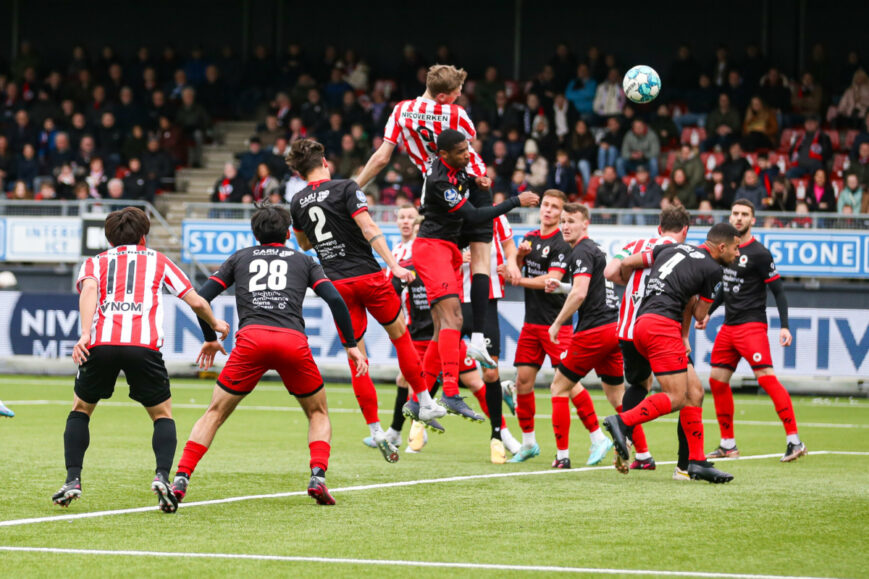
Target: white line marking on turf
pixel 386 412
pixel 407 483
pixel 400 563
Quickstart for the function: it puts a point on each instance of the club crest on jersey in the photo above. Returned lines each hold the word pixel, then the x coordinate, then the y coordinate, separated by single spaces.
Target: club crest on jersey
pixel 545 251
pixel 452 196
pixel 743 260
pixel 321 196
pixel 361 196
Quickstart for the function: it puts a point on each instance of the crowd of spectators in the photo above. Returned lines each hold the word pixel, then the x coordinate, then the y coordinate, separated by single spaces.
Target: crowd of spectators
pixel 733 126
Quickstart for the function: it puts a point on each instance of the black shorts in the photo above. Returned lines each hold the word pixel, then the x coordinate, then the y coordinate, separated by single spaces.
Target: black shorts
pixel 492 331
pixel 144 368
pixel 480 232
pixel 637 368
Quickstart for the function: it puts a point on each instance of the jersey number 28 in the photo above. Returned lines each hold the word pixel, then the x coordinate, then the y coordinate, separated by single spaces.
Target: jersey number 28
pixel 275 270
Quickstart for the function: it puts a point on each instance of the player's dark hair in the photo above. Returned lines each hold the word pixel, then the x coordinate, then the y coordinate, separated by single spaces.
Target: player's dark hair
pixel 721 233
pixel 449 138
pixel 674 218
pixel 555 193
pixel 745 203
pixel 305 155
pixel 270 223
pixel 127 226
pixel 577 208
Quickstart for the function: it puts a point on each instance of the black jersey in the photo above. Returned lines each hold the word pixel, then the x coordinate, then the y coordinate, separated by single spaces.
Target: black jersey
pixel 413 297
pixel 601 305
pixel 745 282
pixel 444 192
pixel 271 281
pixel 547 254
pixel 679 273
pixel 324 211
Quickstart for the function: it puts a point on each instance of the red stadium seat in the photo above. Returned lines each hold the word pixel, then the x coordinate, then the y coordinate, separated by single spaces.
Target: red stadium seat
pixel 849 138
pixel 751 158
pixel 593 185
pixel 386 86
pixel 709 165
pixel 774 159
pixel 801 186
pixel 839 163
pixel 788 138
pixel 663 181
pixel 838 184
pixel 671 159
pixel 511 87
pixel 834 139
pixel 697 134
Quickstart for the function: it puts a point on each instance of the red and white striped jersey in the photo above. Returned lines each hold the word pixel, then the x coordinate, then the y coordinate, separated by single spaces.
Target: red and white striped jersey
pixel 130 279
pixel 418 123
pixel 502 232
pixel 636 287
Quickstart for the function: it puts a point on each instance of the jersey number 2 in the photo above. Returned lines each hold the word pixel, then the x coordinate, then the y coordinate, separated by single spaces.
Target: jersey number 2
pixel 319 218
pixel 275 270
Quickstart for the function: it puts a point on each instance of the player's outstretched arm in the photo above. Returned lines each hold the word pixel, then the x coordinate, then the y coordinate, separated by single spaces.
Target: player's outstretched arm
pixel 575 298
pixel 341 315
pixel 87 307
pixel 371 232
pixel 777 288
pixel 211 345
pixel 475 215
pixel 376 163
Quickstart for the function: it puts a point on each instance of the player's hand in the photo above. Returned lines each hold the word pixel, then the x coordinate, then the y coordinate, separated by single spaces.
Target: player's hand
pixel 80 351
pixel 466 256
pixel 483 182
pixel 553 333
pixel 687 344
pixel 512 273
pixel 355 355
pixel 205 359
pixel 784 337
pixel 529 199
pixel 523 249
pixel 552 285
pixel 403 274
pixel 222 329
pixel 701 324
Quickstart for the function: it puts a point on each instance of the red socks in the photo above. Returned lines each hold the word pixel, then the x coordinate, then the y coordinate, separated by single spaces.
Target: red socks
pixel 723 397
pixel 691 419
pixel 366 395
pixel 780 399
pixel 561 421
pixel 526 408
pixel 408 362
pixel 585 410
pixel 193 453
pixel 320 450
pixel 649 409
pixel 448 348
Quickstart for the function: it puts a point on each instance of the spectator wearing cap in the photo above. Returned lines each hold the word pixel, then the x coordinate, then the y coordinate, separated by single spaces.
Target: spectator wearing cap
pixel 811 151
pixel 250 159
pixel 639 147
pixel 535 167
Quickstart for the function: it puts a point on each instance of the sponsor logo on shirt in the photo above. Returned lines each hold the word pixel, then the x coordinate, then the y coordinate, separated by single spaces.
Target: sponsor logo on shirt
pixel 452 196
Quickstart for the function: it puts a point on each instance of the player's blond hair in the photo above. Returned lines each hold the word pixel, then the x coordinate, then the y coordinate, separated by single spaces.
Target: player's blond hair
pixel 444 79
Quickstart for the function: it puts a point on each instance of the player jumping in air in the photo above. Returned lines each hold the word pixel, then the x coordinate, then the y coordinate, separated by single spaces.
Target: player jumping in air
pixel 270 280
pixel 332 217
pixel 418 123
pixel 594 344
pixel 744 335
pixel 680 272
pixel 121 310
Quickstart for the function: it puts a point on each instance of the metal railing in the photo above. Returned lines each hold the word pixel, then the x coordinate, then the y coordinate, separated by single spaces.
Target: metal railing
pixel 599 216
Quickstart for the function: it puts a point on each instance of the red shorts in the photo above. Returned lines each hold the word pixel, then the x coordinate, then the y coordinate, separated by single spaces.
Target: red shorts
pixel 439 265
pixel 534 345
pixel 749 341
pixel 369 293
pixel 595 349
pixel 466 364
pixel 659 340
pixel 261 348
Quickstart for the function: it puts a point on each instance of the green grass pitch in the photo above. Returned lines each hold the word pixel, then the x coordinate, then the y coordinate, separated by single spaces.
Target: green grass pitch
pixel 809 518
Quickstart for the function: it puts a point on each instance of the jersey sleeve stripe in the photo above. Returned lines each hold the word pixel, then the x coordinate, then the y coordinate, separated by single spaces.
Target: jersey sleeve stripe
pixel 772 279
pixel 707 300
pixel 358 211
pixel 218 280
pixel 586 274
pixel 459 206
pixel 558 269
pixel 318 282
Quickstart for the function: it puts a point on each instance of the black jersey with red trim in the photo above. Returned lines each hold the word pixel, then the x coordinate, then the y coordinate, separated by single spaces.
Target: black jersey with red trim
pixel 444 192
pixel 548 254
pixel 679 272
pixel 324 211
pixel 271 281
pixel 745 282
pixel 416 307
pixel 601 305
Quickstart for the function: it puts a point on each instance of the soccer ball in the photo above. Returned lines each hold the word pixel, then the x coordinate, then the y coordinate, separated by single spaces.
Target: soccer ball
pixel 642 84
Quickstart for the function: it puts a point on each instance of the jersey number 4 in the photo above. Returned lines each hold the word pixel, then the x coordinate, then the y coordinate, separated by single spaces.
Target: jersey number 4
pixel 668 266
pixel 318 217
pixel 275 270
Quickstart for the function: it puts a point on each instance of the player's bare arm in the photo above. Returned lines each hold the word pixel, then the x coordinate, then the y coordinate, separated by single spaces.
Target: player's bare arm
pixel 376 163
pixel 87 307
pixel 575 298
pixel 372 233
pixel 303 240
pixel 512 272
pixel 615 272
pixel 687 316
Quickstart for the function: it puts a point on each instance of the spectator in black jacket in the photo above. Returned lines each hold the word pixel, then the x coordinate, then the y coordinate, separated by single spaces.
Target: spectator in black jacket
pixel 250 160
pixel 645 193
pixel 27 166
pixel 136 183
pixel 313 112
pixel 157 165
pixel 820 195
pixel 562 175
pixel 22 132
pixel 62 153
pixel 231 187
pixel 504 116
pixel 811 151
pixel 734 166
pixel 110 138
pixel 612 191
pixel 583 150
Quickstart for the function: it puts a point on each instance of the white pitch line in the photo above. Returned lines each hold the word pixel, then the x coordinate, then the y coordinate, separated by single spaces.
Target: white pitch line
pixel 402 563
pixel 385 412
pixel 407 483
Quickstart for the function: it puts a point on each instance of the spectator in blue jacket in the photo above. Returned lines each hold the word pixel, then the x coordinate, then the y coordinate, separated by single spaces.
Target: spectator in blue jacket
pixel 581 90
